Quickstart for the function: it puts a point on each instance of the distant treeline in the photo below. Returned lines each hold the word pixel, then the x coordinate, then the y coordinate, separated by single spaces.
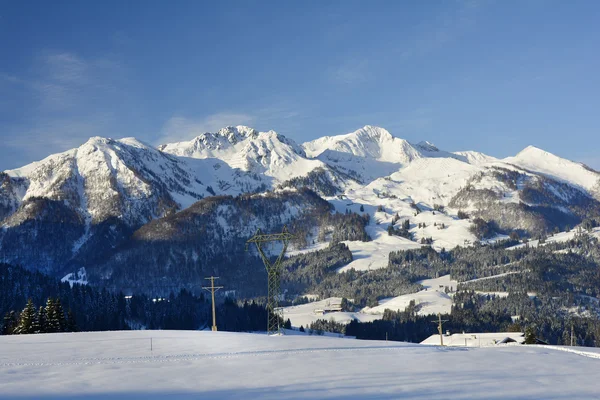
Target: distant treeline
pixel 85 308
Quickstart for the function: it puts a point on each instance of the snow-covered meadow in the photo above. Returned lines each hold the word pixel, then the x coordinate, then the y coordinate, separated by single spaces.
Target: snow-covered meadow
pixel 222 365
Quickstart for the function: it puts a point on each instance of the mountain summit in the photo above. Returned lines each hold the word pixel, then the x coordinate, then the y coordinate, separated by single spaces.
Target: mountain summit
pixel 244 148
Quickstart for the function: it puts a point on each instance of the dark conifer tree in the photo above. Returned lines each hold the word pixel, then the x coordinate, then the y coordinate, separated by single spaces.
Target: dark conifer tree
pixel 27 320
pixel 52 316
pixel 41 321
pixel 71 323
pixel 60 316
pixel 10 323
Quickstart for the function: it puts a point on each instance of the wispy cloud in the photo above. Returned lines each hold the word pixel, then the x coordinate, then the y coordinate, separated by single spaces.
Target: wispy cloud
pixel 48 136
pixel 65 80
pixel 442 28
pixel 64 99
pixel 178 129
pixel 351 72
pixel 66 67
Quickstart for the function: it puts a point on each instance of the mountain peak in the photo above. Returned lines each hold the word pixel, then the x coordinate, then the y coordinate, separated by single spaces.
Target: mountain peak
pixel 98 140
pixel 236 133
pixel 374 132
pixel 530 150
pixel 535 159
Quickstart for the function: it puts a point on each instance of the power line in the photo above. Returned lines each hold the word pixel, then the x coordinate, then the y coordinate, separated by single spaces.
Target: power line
pixel 212 288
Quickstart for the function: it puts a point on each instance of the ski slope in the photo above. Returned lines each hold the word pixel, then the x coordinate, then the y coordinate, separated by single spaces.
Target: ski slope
pixel 223 365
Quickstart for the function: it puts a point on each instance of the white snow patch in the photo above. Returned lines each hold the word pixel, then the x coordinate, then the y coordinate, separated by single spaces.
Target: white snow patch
pixel 121 365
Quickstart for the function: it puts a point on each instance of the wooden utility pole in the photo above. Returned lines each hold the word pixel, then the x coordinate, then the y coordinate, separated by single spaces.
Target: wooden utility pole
pixel 212 288
pixel 440 322
pixel 572 334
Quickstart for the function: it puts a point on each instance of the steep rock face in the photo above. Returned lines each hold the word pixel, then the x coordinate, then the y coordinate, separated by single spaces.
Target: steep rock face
pixel 12 189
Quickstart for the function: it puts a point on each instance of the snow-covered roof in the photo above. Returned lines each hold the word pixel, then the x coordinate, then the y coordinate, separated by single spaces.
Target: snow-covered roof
pixel 475 339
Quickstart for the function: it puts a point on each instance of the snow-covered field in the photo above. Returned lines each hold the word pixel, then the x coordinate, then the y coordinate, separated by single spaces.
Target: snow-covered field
pixel 221 365
pixel 305 314
pixel 432 299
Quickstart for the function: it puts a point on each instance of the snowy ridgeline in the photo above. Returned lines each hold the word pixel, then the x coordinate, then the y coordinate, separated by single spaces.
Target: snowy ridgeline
pixel 414 194
pixel 222 365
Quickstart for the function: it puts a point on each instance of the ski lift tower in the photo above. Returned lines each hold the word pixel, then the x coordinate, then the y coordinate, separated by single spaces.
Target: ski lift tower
pixel 274 271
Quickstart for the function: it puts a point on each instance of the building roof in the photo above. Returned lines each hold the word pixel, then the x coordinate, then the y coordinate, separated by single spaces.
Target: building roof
pixel 476 339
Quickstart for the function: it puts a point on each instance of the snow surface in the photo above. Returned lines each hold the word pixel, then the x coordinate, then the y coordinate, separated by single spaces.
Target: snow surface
pixel 246 149
pixel 306 314
pixel 538 160
pixel 79 277
pixel 222 365
pixel 431 300
pixel 475 339
pixel 557 237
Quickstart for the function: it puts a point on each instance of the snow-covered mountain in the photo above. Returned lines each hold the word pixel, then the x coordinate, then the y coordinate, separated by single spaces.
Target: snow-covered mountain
pixel 540 161
pixel 100 192
pixel 246 149
pixel 370 152
pixel 79 206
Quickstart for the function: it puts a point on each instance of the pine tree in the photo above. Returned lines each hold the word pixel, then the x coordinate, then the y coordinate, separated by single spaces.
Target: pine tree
pixel 41 321
pixel 71 324
pixel 27 320
pixel 60 316
pixel 529 336
pixel 10 323
pixel 288 324
pixel 52 316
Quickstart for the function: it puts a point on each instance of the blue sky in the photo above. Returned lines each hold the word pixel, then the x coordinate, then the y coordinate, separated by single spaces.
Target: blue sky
pixel 492 76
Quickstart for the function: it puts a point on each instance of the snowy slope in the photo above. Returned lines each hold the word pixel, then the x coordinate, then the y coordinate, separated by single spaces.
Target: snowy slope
pixel 246 149
pixel 431 300
pixel 305 314
pixel 370 152
pixel 222 365
pixel 476 157
pixel 128 182
pixel 368 142
pixel 558 237
pixel 538 160
pixel 111 177
pixel 128 179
